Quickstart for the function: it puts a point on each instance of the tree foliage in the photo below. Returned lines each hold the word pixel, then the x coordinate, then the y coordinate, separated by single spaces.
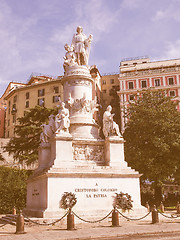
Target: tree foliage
pixel 13 190
pixel 115 103
pixel 24 145
pixel 152 136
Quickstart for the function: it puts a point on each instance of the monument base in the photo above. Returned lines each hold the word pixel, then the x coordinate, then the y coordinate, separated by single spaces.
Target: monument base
pixel 94 189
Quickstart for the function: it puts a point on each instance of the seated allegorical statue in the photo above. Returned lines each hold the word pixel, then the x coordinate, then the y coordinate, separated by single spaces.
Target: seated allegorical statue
pixel 110 128
pixel 62 119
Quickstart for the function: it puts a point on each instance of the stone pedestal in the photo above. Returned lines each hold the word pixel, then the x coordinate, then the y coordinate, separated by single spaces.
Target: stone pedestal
pixel 61 150
pixel 44 154
pixel 114 152
pixel 94 188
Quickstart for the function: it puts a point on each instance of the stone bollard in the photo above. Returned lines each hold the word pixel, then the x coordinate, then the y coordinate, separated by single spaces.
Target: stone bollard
pixel 14 211
pixel 178 208
pixel 20 223
pixel 147 206
pixel 161 207
pixel 155 217
pixel 70 221
pixel 115 218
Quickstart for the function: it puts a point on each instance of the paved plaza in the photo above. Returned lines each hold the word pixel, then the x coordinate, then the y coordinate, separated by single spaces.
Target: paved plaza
pixel 127 229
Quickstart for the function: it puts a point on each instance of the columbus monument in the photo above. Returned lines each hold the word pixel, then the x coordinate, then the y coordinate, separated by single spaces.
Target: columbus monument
pixel 72 155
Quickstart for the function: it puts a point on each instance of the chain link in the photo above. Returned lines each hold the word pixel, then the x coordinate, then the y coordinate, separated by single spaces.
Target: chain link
pixel 46 224
pixel 100 220
pixel 164 215
pixel 133 219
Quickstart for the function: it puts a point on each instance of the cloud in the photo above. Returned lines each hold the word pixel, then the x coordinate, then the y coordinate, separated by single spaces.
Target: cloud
pixel 172 12
pixel 172 50
pixel 131 4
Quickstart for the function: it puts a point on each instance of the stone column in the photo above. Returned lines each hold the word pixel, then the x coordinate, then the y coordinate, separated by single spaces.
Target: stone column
pixel 77 84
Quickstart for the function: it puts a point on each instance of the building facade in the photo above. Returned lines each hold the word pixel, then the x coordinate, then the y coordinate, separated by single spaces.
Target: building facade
pixel 40 90
pixel 139 74
pixel 109 88
pixel 3 105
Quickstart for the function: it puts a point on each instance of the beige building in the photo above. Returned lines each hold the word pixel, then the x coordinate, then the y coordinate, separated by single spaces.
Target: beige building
pixel 138 74
pixel 40 90
pixel 110 87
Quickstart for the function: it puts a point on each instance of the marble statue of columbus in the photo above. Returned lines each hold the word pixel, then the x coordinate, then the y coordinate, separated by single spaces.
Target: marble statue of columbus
pixel 81 45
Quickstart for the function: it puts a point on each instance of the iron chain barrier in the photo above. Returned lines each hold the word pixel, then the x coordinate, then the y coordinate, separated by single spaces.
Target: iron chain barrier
pixel 45 224
pixel 133 219
pixel 100 220
pixel 172 215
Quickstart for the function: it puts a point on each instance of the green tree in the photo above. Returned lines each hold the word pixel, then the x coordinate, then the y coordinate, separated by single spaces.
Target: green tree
pixel 24 145
pixel 115 104
pixel 13 189
pixel 152 136
pixel 1 157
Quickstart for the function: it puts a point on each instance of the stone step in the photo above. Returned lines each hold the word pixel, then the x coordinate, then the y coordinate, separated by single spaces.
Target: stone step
pixel 11 219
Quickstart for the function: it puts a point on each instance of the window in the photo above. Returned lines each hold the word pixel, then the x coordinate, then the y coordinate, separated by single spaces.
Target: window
pixel 27 104
pixel 56 99
pixel 131 85
pixel 14 119
pixel 41 102
pixel 9 103
pixel 104 90
pixel 171 81
pixel 14 107
pixel 41 92
pixel 8 122
pixel 131 97
pixel 56 89
pixel 104 82
pixel 157 82
pixel 27 95
pixel 172 93
pixel 111 81
pixel 144 84
pixel 15 99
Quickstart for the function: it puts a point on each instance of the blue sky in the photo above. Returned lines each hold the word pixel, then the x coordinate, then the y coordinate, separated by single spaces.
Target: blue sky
pixel 33 33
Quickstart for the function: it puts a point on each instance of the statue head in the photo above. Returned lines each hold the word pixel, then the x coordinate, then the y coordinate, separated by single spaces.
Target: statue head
pixel 109 108
pixel 66 47
pixel 62 105
pixel 79 29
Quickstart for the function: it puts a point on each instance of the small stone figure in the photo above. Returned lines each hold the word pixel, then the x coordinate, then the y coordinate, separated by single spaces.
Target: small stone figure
pixel 48 130
pixel 81 45
pixel 110 128
pixel 69 58
pixel 62 119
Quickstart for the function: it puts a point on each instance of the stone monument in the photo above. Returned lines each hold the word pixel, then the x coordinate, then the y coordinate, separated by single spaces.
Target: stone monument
pixel 72 156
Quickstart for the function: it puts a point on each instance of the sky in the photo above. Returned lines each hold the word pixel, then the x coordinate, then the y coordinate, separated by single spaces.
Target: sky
pixel 33 34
